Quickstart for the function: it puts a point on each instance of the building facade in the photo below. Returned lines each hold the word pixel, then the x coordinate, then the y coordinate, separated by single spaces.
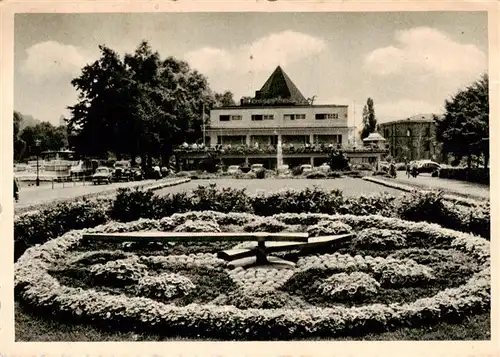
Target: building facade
pixel 279 116
pixel 413 138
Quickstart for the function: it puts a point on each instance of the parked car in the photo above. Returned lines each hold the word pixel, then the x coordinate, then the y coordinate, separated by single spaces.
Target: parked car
pixel 256 167
pixel 233 169
pixel 284 170
pixel 102 175
pixel 427 166
pixel 137 173
pixel 122 171
pixel 306 168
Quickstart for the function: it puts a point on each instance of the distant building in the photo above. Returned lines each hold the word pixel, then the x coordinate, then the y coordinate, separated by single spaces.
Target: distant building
pixel 413 138
pixel 280 116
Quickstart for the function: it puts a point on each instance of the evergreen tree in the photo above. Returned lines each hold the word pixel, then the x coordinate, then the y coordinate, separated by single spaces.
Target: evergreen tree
pixel 369 119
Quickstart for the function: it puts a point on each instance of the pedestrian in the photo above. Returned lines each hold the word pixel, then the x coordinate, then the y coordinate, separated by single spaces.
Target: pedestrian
pixel 16 190
pixel 157 172
pixel 392 170
pixel 407 167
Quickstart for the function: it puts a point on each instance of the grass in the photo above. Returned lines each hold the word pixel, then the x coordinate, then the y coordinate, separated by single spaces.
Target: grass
pixel 30 328
pixel 349 186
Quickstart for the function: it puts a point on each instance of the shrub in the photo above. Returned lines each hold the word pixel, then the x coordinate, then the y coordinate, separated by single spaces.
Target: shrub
pixel 479 175
pixel 353 173
pixel 324 228
pixel 260 174
pixel 333 174
pixel 382 203
pixel 120 272
pixel 164 286
pixel 266 225
pixel 198 226
pixel 394 274
pixel 316 175
pixel 379 239
pixel 354 286
pixel 297 171
pixel 313 200
pixel 260 298
pixel 38 227
pixel 131 205
pixel 209 198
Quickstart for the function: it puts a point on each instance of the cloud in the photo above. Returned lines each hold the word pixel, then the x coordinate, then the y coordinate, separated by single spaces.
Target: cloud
pixel 52 60
pixel 424 53
pixel 263 55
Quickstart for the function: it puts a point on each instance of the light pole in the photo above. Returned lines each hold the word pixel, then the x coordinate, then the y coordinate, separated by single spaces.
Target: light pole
pixel 37 144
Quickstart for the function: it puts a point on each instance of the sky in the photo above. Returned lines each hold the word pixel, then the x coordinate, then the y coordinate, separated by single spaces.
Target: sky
pixel 408 62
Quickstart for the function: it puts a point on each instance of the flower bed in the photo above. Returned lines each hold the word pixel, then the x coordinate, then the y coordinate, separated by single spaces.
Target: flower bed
pixel 129 205
pixel 263 296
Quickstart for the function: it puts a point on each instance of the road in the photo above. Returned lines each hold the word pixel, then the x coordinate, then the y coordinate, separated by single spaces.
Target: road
pixel 452 186
pixel 44 193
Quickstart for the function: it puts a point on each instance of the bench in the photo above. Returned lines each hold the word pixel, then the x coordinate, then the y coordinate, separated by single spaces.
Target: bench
pixel 258 254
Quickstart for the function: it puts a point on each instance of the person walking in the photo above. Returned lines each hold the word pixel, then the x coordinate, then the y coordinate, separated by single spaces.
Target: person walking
pixel 407 167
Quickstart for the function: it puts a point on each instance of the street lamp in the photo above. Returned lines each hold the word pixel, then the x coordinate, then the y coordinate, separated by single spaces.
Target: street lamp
pixel 37 144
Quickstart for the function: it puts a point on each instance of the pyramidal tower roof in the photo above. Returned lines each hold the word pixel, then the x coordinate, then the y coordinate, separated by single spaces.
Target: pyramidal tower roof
pixel 279 85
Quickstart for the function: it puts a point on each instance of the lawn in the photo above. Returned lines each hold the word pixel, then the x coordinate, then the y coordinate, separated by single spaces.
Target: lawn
pixel 349 186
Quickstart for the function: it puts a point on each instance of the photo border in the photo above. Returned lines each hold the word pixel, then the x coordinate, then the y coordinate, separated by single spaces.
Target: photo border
pixel 317 348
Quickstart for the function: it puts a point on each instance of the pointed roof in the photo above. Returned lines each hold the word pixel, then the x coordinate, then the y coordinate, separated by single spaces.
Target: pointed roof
pixel 279 85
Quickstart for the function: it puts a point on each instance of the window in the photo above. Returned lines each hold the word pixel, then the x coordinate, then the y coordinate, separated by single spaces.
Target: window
pixel 294 116
pixel 224 117
pixel 235 117
pixel 256 117
pixel 268 117
pixel 327 116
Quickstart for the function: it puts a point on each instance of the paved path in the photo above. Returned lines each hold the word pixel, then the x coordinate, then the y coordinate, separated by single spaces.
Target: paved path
pixel 34 195
pixel 452 187
pixel 455 186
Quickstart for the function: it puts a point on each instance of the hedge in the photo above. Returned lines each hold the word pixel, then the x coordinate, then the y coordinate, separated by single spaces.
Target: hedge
pixel 35 286
pixel 478 175
pixel 128 205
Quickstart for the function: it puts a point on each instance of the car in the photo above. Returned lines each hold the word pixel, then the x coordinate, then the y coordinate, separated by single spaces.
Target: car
pixel 427 166
pixel 256 167
pixel 233 169
pixel 102 174
pixel 306 169
pixel 122 171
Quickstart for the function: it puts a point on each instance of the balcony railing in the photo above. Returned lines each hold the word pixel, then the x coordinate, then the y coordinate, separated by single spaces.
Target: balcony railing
pixel 271 149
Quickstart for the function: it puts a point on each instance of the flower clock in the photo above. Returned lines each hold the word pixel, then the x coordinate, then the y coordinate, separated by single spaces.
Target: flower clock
pixel 392 274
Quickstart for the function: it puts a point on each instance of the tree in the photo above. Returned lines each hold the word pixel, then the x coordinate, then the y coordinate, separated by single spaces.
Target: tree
pixel 19 144
pixel 225 99
pixel 464 129
pixel 369 119
pixel 140 105
pixel 51 138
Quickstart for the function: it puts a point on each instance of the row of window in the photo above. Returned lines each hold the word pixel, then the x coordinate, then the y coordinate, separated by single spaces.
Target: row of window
pixel 258 117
